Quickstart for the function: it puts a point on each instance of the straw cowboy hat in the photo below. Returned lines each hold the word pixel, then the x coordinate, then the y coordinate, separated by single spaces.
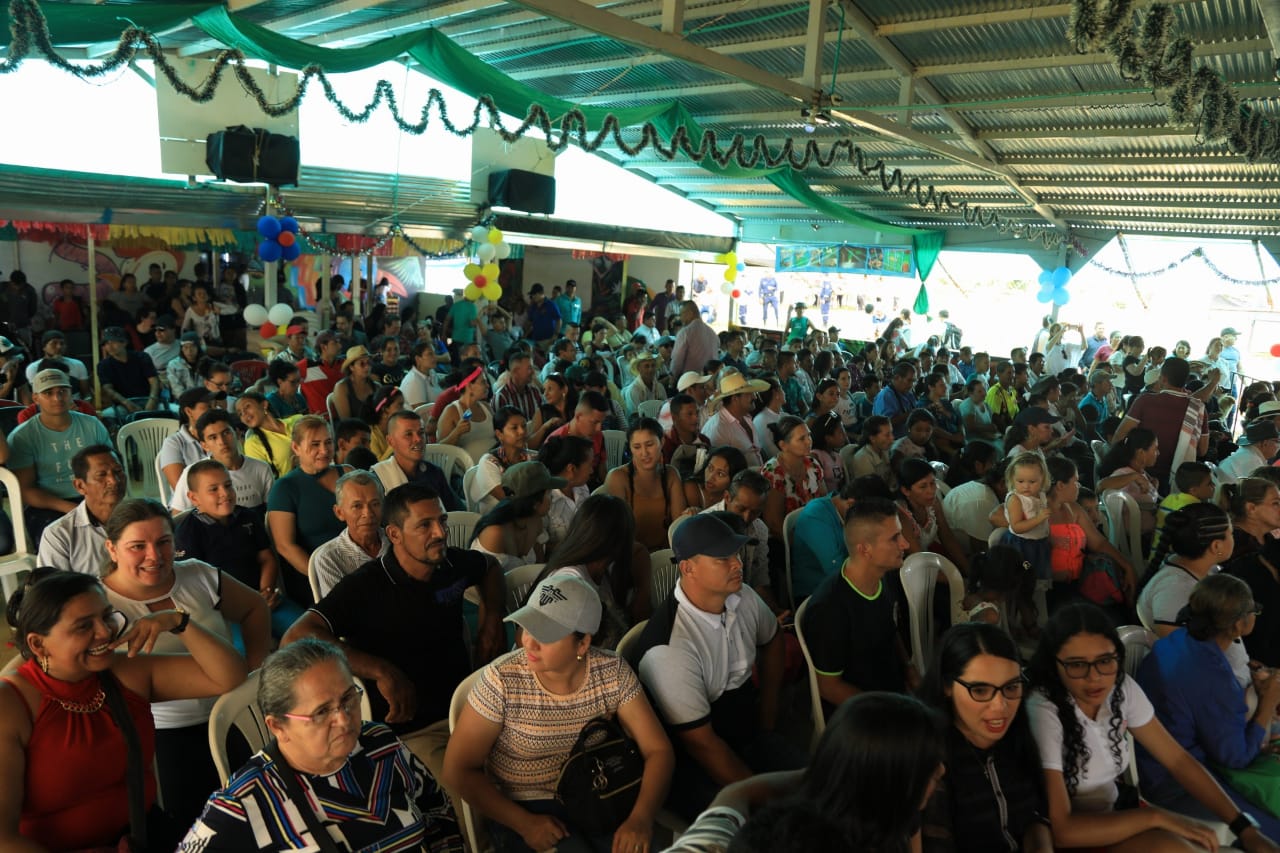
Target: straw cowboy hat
pixel 643 355
pixel 736 383
pixel 354 354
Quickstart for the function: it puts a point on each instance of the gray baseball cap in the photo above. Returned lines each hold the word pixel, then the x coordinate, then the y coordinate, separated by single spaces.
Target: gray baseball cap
pixel 561 604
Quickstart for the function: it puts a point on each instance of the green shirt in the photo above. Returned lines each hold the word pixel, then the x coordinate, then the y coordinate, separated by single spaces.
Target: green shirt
pixel 798 327
pixel 463 314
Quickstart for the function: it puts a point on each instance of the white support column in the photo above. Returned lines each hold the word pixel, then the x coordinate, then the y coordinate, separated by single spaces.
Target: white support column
pixel 906 97
pixel 94 333
pixel 269 267
pixel 324 293
pixel 814 41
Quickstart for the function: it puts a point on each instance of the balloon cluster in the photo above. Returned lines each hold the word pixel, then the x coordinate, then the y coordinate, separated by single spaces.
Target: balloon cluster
pixel 732 267
pixel 1053 286
pixel 270 323
pixel 483 275
pixel 279 239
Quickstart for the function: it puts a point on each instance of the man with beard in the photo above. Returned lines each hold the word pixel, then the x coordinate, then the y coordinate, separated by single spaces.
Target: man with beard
pixel 400 620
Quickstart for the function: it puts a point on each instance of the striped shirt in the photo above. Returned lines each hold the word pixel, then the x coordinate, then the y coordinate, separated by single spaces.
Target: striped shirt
pixel 526 399
pixel 540 728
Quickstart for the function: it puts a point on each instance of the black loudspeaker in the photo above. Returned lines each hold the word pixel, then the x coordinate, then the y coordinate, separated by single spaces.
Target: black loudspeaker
pixel 520 190
pixel 252 156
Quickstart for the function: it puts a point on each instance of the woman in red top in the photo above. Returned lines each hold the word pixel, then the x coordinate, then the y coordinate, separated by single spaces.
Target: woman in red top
pixel 794 476
pixel 72 794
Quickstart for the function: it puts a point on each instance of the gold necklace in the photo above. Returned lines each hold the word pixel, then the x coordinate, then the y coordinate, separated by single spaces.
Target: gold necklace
pixel 90 707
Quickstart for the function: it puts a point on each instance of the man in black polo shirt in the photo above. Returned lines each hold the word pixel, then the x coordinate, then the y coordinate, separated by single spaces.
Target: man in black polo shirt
pixel 400 618
pixel 125 374
pixel 849 621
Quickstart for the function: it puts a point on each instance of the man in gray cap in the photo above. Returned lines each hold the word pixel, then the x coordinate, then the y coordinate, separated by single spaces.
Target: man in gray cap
pixel 695 658
pixel 41 449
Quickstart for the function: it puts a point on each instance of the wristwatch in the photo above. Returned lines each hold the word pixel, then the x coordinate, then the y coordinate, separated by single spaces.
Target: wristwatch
pixel 1243 821
pixel 186 620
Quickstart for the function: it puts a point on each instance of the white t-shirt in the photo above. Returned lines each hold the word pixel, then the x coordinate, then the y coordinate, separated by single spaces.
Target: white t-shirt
pixel 967 507
pixel 252 481
pixel 1170 591
pixel 1096 789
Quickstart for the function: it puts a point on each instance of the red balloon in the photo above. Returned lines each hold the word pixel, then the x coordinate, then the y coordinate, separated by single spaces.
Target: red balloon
pixel 1275 350
pixel 286 238
pixel 480 281
pixel 737 294
pixel 268 330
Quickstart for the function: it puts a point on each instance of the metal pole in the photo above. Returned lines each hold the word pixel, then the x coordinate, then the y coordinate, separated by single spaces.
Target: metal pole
pixel 93 318
pixel 324 291
pixel 269 267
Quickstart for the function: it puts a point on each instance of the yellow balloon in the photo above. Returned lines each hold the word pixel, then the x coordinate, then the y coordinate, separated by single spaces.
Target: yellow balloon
pixel 720 259
pixel 731 258
pixel 731 274
pixel 471 271
pixel 490 271
pixel 471 292
pixel 495 236
pixel 493 293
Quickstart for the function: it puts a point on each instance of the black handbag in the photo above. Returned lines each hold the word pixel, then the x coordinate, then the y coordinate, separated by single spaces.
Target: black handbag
pixel 600 783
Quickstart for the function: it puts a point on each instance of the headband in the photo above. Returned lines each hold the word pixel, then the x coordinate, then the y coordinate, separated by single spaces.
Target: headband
pixel 470 378
pixel 386 400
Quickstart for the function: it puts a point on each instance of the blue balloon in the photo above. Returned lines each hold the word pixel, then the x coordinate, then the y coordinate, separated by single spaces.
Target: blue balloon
pixel 1044 296
pixel 1061 276
pixel 1061 297
pixel 741 266
pixel 269 251
pixel 1046 279
pixel 288 223
pixel 269 227
pixel 291 253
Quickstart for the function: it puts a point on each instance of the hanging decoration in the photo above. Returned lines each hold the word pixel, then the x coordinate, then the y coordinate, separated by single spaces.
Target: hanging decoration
pixel 482 277
pixel 1147 48
pixel 279 239
pixel 1197 253
pixel 731 270
pixel 31 31
pixel 269 322
pixel 1053 286
pixel 360 244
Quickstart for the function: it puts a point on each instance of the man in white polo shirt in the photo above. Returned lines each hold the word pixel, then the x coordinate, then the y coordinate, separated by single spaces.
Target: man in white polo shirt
pixel 77 541
pixel 695 658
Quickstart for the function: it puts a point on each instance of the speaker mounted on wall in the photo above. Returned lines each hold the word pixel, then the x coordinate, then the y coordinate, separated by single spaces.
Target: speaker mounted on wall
pixel 521 190
pixel 253 156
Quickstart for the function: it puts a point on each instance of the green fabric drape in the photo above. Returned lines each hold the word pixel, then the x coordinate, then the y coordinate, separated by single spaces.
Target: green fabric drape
pixel 921 305
pixel 443 60
pixel 79 24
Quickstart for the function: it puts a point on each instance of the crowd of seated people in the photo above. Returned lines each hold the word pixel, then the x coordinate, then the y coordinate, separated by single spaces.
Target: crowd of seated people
pixel 308 513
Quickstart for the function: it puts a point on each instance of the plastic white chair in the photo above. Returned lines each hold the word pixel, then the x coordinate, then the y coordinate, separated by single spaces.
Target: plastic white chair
pixel 468 479
pixel 1099 448
pixel 788 530
pixel 615 447
pixel 519 582
pixel 145 437
pixel 162 483
pixel 23 559
pixel 671 531
pixel 461 524
pixel 815 697
pixel 651 408
pixel 1137 642
pixel 460 695
pixel 631 637
pixel 1126 525
pixel 448 458
pixel 919 577
pixel 239 708
pixel 996 537
pixel 664 572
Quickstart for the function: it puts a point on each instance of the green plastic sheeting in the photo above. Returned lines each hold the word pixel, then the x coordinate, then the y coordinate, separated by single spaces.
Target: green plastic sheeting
pixel 78 24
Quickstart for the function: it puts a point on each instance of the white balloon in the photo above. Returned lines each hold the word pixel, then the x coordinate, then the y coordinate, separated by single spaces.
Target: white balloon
pixel 726 288
pixel 480 234
pixel 504 250
pixel 486 251
pixel 280 314
pixel 255 315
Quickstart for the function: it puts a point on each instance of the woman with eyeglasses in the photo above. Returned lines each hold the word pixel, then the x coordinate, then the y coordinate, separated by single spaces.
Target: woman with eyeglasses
pixel 1196 696
pixel 992 798
pixel 141 576
pixel 63 777
pixel 1081 706
pixel 324 771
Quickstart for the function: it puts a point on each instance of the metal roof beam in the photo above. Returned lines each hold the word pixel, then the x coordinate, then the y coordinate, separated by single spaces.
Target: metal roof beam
pixel 983 19
pixel 1069 60
pixel 861 24
pixel 1139 185
pixel 590 18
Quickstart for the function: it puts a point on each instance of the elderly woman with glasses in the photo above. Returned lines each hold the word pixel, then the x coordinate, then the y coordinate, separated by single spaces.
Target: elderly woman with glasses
pixel 1081 707
pixel 1197 697
pixel 71 712
pixel 324 771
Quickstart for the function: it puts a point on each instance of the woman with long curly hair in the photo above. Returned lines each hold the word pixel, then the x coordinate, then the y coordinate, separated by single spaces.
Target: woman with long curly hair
pixel 1081 706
